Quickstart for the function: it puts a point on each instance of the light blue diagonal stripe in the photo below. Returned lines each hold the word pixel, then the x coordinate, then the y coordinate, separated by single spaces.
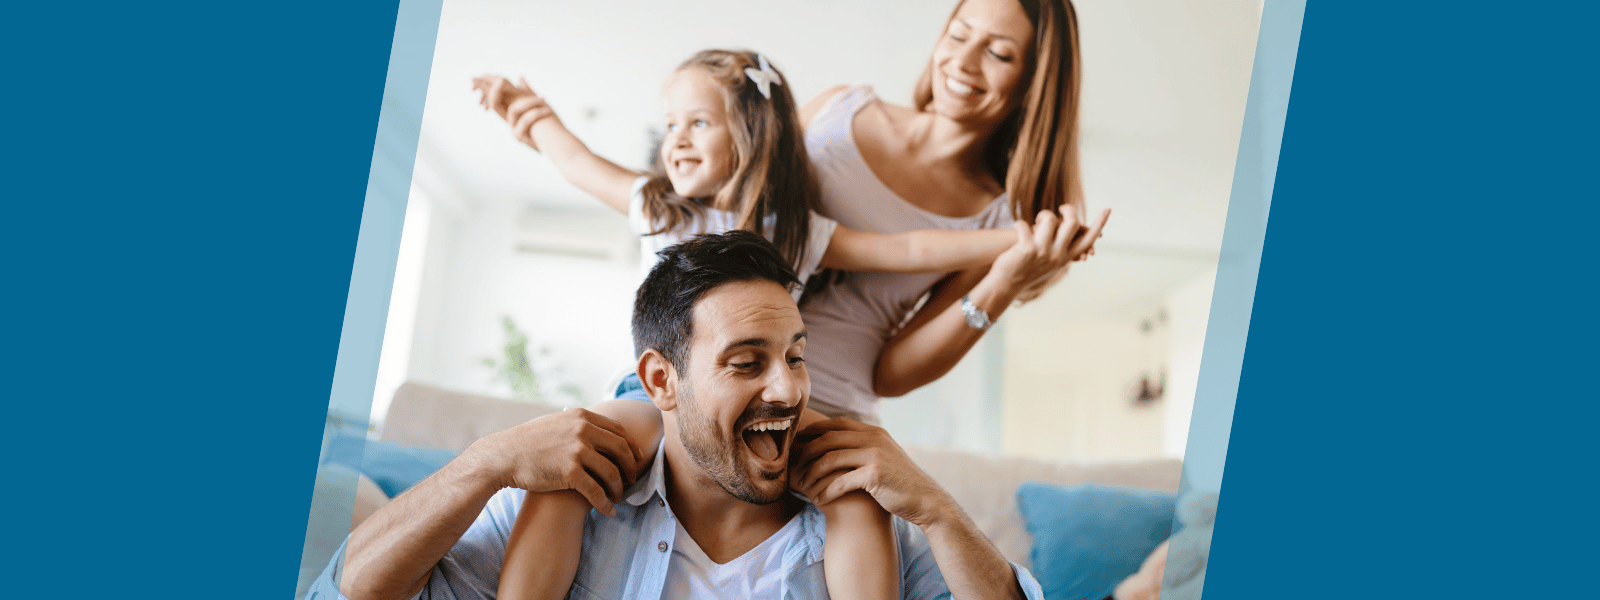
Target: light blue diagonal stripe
pixel 1234 292
pixel 372 275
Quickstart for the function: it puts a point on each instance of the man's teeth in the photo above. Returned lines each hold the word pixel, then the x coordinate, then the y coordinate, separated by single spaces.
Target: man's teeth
pixel 770 426
pixel 957 87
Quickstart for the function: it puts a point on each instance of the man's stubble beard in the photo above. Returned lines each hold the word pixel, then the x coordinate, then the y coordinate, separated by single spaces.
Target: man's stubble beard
pixel 715 456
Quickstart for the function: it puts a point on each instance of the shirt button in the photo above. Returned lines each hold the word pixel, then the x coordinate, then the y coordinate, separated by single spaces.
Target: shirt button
pixel 660 502
pixel 662 546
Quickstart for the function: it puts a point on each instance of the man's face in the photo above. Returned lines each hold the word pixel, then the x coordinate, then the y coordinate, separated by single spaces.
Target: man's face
pixel 744 385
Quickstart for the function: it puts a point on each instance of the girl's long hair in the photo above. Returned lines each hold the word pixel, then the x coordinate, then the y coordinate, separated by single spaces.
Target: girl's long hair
pixel 771 171
pixel 1035 150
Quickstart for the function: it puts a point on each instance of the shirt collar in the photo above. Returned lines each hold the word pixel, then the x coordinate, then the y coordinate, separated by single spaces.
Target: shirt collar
pixel 806 548
pixel 653 484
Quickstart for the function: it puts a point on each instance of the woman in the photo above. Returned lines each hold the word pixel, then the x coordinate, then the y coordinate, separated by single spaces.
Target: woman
pixel 993 137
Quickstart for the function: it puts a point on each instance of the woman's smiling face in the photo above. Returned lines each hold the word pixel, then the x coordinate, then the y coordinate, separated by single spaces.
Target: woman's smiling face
pixel 981 61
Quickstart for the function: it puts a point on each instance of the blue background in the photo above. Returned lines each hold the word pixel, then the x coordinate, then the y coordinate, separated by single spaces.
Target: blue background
pixel 184 186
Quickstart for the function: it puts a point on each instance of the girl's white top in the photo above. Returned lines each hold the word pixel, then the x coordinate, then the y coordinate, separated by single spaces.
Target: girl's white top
pixel 717 221
pixel 850 321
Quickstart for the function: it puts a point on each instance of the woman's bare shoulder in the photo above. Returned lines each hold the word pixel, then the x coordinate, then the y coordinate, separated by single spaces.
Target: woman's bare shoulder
pixel 877 108
pixel 895 111
pixel 821 101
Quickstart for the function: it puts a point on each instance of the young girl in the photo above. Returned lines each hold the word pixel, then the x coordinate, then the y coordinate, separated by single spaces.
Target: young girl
pixel 733 158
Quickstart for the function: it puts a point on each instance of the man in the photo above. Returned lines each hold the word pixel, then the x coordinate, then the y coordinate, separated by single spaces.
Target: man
pixel 722 355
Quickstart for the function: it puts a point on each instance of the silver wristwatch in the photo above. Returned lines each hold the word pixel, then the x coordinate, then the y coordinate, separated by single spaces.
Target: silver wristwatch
pixel 976 318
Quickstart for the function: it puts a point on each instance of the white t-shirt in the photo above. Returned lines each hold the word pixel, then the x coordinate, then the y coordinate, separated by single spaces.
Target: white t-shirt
pixel 718 221
pixel 759 573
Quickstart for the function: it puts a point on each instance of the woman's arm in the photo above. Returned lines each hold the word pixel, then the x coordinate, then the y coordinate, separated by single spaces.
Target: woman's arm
pixel 937 336
pixel 535 124
pixel 921 251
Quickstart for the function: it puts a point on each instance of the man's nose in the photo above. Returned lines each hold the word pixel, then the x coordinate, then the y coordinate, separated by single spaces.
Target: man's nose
pixel 786 386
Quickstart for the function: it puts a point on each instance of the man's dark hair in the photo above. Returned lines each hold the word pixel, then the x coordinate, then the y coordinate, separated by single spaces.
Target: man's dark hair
pixel 664 306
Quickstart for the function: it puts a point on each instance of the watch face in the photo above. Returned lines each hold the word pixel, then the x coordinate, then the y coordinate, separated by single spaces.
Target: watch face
pixel 976 319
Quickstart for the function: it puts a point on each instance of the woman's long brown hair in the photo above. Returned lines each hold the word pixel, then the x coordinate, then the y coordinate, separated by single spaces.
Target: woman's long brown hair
pixel 1035 150
pixel 771 172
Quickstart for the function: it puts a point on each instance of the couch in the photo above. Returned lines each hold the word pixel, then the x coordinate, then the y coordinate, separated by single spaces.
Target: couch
pixel 985 485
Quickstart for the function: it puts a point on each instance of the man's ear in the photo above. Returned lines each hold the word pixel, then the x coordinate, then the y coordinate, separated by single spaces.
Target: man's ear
pixel 660 379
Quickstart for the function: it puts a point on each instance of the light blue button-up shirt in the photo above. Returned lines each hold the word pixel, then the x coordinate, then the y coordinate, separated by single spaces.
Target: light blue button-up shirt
pixel 627 556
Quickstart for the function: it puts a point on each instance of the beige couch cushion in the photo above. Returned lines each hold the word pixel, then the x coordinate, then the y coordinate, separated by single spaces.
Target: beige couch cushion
pixel 986 487
pixel 423 415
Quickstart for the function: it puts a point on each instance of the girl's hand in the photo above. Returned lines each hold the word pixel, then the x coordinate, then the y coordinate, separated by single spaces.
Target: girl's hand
pixel 498 92
pixel 515 102
pixel 493 90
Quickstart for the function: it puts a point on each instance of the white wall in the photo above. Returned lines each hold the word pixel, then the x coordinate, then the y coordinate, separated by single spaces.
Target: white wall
pixel 394 361
pixel 959 411
pixel 1070 380
pixel 1187 308
pixel 577 307
pixel 1071 366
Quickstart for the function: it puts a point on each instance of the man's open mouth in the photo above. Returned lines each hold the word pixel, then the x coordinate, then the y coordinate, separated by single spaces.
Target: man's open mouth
pixel 766 438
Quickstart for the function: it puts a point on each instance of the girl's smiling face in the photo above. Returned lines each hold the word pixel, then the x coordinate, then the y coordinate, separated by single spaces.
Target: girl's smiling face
pixel 697 152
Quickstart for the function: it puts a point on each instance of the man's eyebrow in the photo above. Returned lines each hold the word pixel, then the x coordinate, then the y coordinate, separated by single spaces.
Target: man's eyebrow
pixel 993 35
pixel 760 342
pixel 752 342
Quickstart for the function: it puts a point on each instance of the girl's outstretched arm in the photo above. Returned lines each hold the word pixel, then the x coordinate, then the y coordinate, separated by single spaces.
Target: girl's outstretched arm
pixel 542 554
pixel 860 559
pixel 535 124
pixel 921 251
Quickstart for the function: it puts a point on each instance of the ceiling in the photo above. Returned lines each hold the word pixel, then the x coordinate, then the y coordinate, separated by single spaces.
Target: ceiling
pixel 1164 92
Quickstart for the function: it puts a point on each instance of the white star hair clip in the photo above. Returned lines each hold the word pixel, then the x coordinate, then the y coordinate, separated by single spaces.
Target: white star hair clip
pixel 764 77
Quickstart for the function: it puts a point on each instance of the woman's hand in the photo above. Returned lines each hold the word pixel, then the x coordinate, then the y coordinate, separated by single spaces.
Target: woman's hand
pixel 1045 251
pixel 1081 248
pixel 515 102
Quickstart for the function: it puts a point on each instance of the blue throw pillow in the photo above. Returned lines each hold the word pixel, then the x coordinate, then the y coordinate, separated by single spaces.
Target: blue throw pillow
pixel 1088 538
pixel 393 466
